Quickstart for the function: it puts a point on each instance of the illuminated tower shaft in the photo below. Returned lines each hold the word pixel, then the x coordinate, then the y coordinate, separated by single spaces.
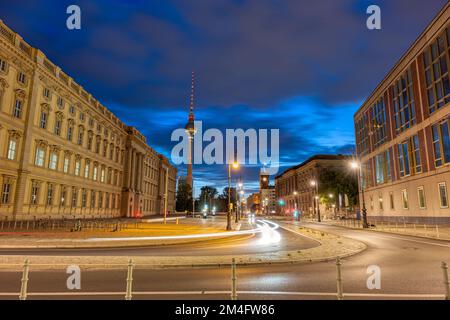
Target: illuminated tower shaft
pixel 190 130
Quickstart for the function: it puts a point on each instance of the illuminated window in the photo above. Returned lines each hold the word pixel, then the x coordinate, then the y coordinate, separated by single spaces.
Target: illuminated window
pixel 49 194
pixel 403 102
pixel 441 143
pixel 40 155
pixel 378 126
pixel 12 149
pixel 436 73
pixel 53 163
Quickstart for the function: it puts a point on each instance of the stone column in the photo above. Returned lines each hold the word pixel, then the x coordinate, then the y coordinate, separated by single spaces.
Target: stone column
pixel 141 176
pixel 127 172
pixel 133 169
pixel 26 152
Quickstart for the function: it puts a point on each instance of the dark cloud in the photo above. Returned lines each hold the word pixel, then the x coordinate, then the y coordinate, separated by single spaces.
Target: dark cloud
pixel 298 65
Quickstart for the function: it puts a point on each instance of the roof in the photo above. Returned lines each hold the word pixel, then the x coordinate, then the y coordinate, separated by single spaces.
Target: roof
pixel 316 157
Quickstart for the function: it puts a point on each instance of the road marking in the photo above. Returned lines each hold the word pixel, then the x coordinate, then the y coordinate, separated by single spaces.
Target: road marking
pixel 375 234
pixel 300 234
pixel 243 292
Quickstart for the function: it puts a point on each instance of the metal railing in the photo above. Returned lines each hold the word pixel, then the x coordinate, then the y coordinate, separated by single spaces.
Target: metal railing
pixel 233 293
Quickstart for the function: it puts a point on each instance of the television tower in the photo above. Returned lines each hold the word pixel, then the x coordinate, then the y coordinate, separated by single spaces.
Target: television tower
pixel 191 130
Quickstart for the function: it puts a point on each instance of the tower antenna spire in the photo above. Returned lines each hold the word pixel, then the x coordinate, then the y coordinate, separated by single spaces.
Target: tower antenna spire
pixel 191 103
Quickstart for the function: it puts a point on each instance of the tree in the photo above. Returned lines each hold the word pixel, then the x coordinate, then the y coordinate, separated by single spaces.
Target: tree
pixel 184 197
pixel 223 198
pixel 207 196
pixel 337 181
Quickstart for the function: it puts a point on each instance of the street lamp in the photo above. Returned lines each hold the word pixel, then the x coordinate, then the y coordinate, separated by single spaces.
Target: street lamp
pixel 235 165
pixel 295 193
pixel 358 168
pixel 315 185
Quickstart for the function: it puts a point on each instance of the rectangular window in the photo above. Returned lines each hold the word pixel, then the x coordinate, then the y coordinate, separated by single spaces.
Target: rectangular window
pixel 46 93
pixel 383 167
pixel 74 197
pixel 49 194
pixel 391 200
pixel 405 199
pixel 94 177
pixel 86 170
pixel 102 175
pixel 403 102
pixel 416 154
pixel 69 133
pixel 378 113
pixel 66 164
pixel 18 109
pixel 443 199
pixel 77 167
pixel 80 136
pixel 60 102
pixel 43 122
pixel 34 193
pixel 362 134
pixel 62 201
pixel 441 143
pixel 2 65
pixel 380 201
pixel 92 199
pixel 22 78
pixel 6 190
pixel 53 161
pixel 83 198
pixel 100 199
pixel 12 149
pixel 40 155
pixel 58 124
pixel 435 60
pixel 421 197
pixel 72 110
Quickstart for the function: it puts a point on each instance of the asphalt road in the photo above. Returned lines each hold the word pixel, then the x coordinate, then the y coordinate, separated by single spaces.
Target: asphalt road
pixel 410 269
pixel 247 244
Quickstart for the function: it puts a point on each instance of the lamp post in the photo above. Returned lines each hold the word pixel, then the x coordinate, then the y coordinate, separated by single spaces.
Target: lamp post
pixel 357 166
pixel 235 165
pixel 295 193
pixel 315 185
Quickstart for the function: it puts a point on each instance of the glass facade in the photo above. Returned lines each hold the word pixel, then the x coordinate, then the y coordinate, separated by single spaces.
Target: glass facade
pixel 403 102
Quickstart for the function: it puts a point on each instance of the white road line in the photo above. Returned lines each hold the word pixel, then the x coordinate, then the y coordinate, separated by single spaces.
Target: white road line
pixel 243 292
pixel 375 234
pixel 298 233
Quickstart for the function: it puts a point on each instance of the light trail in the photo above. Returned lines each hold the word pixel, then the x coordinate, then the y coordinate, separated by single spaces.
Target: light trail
pixel 264 226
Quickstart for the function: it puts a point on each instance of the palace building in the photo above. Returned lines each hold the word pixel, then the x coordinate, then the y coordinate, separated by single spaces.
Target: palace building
pixel 63 154
pixel 402 133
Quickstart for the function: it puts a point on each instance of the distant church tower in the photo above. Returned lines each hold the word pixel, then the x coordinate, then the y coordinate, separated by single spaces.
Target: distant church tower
pixel 191 130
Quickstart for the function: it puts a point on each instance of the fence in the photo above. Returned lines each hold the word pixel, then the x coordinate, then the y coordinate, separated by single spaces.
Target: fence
pixel 129 293
pixel 421 230
pixel 106 225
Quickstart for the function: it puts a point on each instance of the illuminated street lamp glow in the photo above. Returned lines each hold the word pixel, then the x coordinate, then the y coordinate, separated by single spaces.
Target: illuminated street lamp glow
pixel 313 183
pixel 354 165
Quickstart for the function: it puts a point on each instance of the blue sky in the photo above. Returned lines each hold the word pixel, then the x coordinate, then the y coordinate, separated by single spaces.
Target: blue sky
pixel 299 66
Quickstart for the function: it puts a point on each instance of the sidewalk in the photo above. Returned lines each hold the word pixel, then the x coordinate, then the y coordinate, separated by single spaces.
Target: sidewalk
pixel 418 230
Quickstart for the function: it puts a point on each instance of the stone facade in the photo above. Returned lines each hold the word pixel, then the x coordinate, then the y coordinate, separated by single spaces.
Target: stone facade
pixel 63 154
pixel 293 187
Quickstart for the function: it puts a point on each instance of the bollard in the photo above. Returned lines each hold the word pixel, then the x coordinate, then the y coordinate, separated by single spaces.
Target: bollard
pixel 437 231
pixel 177 220
pixel 128 294
pixel 233 280
pixel 340 293
pixel 15 224
pixel 446 282
pixel 23 288
pixel 425 228
pixel 414 226
pixel 28 224
pixel 2 224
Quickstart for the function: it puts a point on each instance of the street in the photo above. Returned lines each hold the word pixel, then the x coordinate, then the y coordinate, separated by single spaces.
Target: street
pixel 410 268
